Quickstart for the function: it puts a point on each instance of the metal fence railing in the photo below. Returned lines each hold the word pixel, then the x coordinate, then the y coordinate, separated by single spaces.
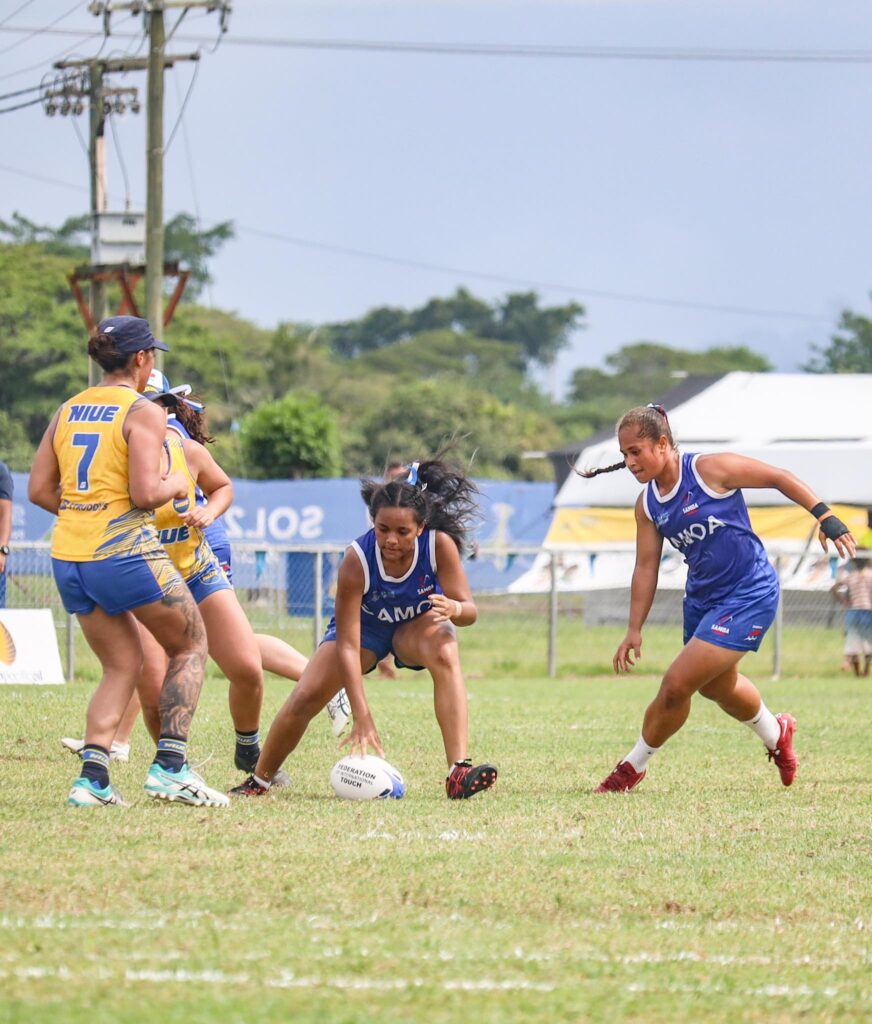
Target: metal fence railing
pixel 537 608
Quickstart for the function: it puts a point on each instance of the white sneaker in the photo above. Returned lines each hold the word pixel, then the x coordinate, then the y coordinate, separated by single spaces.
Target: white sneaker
pixel 184 786
pixel 85 794
pixel 117 752
pixel 339 712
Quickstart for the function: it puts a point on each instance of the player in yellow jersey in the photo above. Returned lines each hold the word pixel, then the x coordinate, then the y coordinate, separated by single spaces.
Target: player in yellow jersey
pixel 188 529
pixel 99 469
pixel 181 527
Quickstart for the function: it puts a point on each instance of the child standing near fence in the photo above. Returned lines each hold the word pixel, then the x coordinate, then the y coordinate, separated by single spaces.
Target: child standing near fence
pixel 853 588
pixel 695 502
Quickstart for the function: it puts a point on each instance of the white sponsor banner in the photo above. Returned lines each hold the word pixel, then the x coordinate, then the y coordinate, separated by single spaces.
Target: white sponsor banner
pixel 29 647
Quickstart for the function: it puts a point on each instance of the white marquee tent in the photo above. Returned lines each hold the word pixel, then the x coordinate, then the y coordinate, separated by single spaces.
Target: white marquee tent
pixel 819 426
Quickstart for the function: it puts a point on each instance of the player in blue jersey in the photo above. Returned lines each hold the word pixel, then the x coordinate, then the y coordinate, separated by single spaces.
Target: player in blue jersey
pixel 695 502
pixel 402 589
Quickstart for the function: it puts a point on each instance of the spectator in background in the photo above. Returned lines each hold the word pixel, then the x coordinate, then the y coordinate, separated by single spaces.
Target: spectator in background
pixel 853 588
pixel 6 490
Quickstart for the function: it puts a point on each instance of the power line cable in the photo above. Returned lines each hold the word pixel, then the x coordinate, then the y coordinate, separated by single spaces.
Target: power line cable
pixel 75 123
pixel 650 300
pixel 58 56
pixel 40 31
pixel 498 278
pixel 21 92
pixel 21 106
pixel 547 51
pixel 120 154
pixel 17 10
pixel 34 176
pixel 191 85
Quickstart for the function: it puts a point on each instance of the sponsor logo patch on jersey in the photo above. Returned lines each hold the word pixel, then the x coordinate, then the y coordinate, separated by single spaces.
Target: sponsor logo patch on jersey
pixel 689 506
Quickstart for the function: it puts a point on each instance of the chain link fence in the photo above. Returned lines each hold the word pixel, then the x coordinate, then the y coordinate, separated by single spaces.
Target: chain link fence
pixel 538 611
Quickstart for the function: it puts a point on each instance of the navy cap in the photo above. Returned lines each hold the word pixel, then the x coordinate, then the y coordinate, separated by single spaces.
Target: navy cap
pixel 130 334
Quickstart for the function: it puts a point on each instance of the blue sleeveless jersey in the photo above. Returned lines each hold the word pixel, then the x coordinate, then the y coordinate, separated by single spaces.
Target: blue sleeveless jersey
pixel 388 600
pixel 724 556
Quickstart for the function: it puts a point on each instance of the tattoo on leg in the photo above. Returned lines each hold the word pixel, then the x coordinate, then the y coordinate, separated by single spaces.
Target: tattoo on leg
pixel 184 678
pixel 180 693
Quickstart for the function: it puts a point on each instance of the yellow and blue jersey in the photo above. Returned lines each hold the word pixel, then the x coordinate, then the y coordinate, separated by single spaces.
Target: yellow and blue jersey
pixel 186 545
pixel 96 517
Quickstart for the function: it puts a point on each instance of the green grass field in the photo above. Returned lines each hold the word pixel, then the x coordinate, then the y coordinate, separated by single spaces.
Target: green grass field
pixel 710 893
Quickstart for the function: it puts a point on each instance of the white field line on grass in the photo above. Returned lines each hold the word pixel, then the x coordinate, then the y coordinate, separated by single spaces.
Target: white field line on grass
pixel 157 921
pixel 861 961
pixel 289 980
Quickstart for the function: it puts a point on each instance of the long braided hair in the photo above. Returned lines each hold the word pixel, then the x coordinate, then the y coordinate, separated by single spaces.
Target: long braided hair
pixel 441 496
pixel 652 423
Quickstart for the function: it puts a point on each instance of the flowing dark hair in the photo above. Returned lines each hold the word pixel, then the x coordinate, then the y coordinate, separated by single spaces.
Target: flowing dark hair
pixel 652 423
pixel 193 420
pixel 440 495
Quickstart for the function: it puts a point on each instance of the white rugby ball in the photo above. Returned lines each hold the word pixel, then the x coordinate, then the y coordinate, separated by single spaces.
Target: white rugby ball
pixel 366 778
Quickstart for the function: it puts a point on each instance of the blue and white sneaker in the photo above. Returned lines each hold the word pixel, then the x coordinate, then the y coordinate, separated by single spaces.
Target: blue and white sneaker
pixel 184 787
pixel 85 794
pixel 339 712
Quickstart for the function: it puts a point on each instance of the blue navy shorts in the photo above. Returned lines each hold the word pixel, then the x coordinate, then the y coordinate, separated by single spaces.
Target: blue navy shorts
pixel 739 622
pixel 208 580
pixel 223 552
pixel 115 584
pixel 376 637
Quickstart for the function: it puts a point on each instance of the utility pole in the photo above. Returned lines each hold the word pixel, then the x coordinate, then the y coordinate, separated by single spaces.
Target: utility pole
pixel 80 80
pixel 153 11
pixel 154 224
pixel 97 164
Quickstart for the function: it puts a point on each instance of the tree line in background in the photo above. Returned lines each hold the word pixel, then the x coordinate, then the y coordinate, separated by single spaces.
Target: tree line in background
pixel 343 399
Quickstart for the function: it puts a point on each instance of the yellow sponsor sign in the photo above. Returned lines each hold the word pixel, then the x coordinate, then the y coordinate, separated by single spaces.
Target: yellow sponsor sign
pixel 618 525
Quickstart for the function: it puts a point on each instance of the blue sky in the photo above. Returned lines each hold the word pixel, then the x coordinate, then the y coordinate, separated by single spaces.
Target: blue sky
pixel 723 184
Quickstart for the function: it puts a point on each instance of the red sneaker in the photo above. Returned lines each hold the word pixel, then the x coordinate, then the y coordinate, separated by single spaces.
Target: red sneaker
pixel 250 787
pixel 783 756
pixel 465 780
pixel 622 779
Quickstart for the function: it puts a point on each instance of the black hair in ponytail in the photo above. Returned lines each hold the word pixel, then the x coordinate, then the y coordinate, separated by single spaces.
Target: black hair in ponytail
pixel 441 496
pixel 652 423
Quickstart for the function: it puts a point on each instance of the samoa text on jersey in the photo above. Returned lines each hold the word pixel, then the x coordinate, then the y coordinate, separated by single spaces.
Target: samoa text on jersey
pixel 96 516
pixel 392 600
pixel 723 554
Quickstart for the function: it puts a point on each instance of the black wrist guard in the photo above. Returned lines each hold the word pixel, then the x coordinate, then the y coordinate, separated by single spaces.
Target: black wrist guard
pixel 833 527
pixel 819 510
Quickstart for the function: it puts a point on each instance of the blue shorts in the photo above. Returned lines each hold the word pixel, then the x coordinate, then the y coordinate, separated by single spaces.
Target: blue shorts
pixel 377 637
pixel 208 580
pixel 222 551
pixel 115 584
pixel 738 622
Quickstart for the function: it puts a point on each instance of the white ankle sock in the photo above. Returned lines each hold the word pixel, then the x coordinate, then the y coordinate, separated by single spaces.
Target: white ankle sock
pixel 766 726
pixel 261 782
pixel 641 754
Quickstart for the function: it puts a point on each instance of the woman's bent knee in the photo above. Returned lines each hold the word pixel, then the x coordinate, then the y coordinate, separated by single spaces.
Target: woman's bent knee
pixel 674 693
